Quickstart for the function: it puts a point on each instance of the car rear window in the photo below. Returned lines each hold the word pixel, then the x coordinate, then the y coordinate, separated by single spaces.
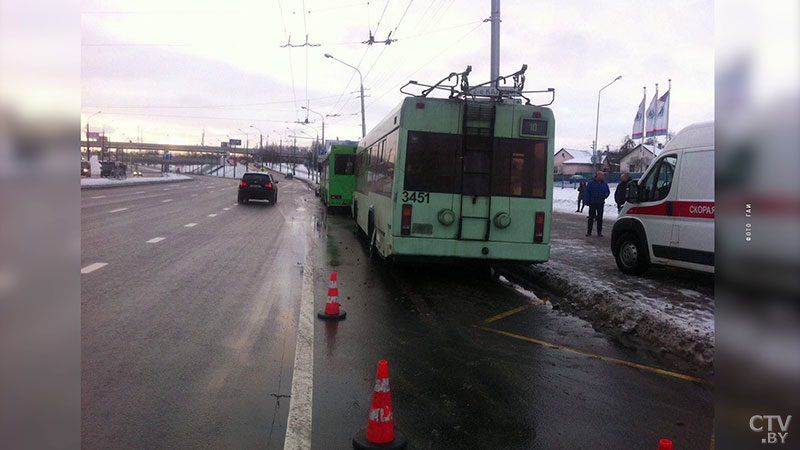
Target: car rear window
pixel 256 179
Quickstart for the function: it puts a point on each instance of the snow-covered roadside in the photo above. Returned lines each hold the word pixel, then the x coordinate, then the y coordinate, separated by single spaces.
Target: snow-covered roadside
pixel 651 310
pixel 101 183
pixel 566 200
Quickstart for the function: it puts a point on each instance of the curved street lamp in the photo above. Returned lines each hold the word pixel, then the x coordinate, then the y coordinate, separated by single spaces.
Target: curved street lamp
pixel 361 83
pixel 597 123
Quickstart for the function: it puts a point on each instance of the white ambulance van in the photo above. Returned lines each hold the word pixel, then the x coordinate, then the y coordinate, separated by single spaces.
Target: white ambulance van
pixel 668 218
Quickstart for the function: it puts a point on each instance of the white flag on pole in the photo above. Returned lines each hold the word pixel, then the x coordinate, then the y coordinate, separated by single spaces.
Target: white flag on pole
pixel 638 122
pixel 652 111
pixel 662 116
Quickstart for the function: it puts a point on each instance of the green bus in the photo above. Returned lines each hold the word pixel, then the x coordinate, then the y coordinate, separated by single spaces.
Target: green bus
pixel 337 180
pixel 457 179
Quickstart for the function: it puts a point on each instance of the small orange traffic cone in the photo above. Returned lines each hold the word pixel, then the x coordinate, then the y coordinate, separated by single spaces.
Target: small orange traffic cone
pixel 665 444
pixel 380 432
pixel 332 311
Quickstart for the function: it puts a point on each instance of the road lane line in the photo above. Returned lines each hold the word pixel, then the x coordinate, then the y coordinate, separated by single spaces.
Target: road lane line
pixel 166 201
pixel 190 225
pixel 506 314
pixel 594 355
pixel 155 239
pixel 92 267
pixel 165 189
pixel 139 192
pixel 226 209
pixel 212 215
pixel 194 195
pixel 99 196
pixel 298 423
pixel 117 210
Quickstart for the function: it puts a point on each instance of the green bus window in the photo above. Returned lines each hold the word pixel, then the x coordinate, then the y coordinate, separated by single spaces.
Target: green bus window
pixel 431 162
pixel 344 165
pixel 519 168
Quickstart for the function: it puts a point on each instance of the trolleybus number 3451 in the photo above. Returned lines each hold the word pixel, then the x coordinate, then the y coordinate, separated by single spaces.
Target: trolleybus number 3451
pixel 416 197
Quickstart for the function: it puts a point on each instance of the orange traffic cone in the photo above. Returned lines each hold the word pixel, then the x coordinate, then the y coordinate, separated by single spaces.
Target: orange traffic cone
pixel 665 444
pixel 380 432
pixel 332 311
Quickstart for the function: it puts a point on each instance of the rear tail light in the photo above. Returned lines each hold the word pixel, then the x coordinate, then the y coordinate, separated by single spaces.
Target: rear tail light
pixel 268 185
pixel 336 197
pixel 538 229
pixel 405 223
pixel 242 184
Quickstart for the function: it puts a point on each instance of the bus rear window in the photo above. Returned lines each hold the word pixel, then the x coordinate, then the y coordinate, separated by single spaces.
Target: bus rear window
pixel 431 162
pixel 520 168
pixel 344 164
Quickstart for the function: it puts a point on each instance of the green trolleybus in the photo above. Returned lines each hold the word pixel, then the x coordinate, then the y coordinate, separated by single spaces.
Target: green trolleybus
pixel 457 178
pixel 337 179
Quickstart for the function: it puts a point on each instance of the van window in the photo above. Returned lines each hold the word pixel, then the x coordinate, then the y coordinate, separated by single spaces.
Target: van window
pixel 697 176
pixel 657 183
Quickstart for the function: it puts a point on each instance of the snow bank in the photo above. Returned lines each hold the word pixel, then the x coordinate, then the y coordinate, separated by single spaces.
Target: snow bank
pixel 649 310
pixel 98 183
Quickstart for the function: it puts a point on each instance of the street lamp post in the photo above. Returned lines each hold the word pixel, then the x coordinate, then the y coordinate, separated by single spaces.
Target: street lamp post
pixel 597 123
pixel 314 152
pixel 361 83
pixel 88 151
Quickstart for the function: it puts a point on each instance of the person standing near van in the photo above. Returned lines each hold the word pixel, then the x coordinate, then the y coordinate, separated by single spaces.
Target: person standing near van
pixel 621 193
pixel 581 195
pixel 597 192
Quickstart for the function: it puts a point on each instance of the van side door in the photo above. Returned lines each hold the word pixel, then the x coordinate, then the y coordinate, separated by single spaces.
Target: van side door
pixel 654 209
pixel 693 230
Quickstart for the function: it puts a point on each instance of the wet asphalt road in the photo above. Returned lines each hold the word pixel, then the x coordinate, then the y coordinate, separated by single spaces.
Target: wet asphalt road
pixel 189 342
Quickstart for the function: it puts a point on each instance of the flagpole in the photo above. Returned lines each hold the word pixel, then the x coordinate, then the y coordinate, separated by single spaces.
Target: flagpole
pixel 655 136
pixel 644 116
pixel 669 89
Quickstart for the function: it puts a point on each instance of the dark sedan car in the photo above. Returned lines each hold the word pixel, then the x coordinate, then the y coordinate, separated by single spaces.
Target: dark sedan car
pixel 258 186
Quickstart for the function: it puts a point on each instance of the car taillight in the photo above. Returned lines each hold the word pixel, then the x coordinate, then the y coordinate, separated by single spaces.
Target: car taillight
pixel 538 229
pixel 336 197
pixel 268 185
pixel 405 223
pixel 242 184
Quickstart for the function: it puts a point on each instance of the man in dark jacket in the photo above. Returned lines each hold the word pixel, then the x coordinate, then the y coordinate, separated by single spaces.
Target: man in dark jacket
pixel 621 193
pixel 596 193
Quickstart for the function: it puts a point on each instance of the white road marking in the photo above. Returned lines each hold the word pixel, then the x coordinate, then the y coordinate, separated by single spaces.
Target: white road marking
pixel 117 210
pixel 92 267
pixel 212 215
pixel 301 209
pixel 139 192
pixel 226 209
pixel 166 201
pixel 235 204
pixel 194 195
pixel 212 186
pixel 155 239
pixel 99 196
pixel 190 225
pixel 298 424
pixel 165 189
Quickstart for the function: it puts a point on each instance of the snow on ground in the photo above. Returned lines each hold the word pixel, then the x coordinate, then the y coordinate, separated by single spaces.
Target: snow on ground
pixel 653 308
pixel 300 172
pixel 565 199
pixel 110 182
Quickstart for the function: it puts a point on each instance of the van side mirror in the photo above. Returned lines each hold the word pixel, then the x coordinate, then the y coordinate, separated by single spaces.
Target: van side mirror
pixel 632 195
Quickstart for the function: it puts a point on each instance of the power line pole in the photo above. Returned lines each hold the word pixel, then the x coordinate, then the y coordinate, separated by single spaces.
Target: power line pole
pixel 495 47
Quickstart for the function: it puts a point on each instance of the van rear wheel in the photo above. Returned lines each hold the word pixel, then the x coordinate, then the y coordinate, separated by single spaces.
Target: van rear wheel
pixel 631 255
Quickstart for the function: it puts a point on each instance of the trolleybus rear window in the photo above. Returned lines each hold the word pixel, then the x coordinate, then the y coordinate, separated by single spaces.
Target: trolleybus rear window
pixel 344 164
pixel 431 162
pixel 520 168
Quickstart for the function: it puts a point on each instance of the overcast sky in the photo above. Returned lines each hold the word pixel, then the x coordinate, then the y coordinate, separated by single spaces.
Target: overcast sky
pixel 174 68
